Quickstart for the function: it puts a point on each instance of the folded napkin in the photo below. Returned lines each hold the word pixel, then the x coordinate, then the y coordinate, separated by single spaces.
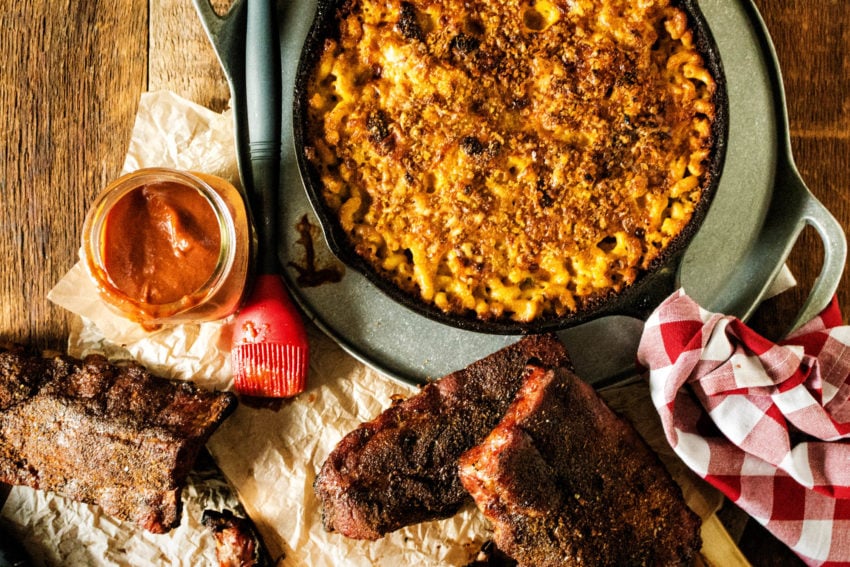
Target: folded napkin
pixel 768 424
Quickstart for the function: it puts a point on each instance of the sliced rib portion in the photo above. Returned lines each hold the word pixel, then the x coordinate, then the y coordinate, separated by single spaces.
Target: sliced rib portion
pixel 565 481
pixel 104 434
pixel 401 468
pixel 237 542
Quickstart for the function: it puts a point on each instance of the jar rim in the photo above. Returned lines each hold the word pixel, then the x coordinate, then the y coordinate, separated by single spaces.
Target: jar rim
pixel 94 231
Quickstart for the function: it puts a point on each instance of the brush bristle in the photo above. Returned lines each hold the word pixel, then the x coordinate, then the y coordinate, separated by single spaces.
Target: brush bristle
pixel 269 369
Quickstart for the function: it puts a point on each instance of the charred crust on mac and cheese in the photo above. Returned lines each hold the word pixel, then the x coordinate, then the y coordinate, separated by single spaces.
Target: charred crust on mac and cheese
pixel 514 160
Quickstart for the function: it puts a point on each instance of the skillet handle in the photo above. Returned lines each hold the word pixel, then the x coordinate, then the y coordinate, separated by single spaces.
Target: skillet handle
pixel 813 213
pixel 227 37
pixel 791 209
pixel 794 207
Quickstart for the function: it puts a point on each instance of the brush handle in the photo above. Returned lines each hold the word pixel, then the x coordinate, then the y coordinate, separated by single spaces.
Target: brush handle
pixel 263 100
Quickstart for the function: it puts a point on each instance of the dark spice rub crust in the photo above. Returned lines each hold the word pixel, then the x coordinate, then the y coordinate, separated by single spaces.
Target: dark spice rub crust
pixel 565 481
pixel 112 435
pixel 401 467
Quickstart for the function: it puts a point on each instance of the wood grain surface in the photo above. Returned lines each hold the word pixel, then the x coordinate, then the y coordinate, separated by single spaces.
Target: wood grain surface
pixel 70 79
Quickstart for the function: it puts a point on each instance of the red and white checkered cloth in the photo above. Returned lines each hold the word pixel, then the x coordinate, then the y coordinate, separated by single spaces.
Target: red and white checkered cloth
pixel 768 424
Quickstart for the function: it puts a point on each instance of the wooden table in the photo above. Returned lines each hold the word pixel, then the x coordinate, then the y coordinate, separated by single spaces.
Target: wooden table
pixel 71 76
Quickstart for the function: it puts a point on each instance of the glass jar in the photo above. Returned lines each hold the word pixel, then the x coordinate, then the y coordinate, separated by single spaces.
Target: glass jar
pixel 166 246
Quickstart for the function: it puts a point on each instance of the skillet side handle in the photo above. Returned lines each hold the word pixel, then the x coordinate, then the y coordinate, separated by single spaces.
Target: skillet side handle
pixel 791 209
pixel 808 210
pixel 834 241
pixel 227 37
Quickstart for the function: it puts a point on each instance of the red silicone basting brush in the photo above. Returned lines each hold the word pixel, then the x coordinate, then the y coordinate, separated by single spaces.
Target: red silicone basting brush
pixel 269 350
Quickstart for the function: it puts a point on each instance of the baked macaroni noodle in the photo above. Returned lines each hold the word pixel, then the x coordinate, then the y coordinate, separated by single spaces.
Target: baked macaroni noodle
pixel 515 159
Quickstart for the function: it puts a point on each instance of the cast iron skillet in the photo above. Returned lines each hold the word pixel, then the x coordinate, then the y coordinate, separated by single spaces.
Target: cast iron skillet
pixel 636 300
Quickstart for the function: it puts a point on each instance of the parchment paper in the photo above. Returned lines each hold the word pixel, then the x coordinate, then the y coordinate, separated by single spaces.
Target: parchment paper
pixel 269 454
pixel 57 531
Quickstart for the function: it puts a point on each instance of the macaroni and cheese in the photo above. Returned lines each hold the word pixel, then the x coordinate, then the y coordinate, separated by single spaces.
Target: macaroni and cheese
pixel 514 159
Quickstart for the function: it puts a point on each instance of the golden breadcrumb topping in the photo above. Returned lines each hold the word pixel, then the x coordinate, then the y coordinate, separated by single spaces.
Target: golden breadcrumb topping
pixel 515 159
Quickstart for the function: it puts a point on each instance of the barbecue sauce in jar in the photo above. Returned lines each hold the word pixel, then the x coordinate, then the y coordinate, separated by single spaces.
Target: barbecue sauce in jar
pixel 165 246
